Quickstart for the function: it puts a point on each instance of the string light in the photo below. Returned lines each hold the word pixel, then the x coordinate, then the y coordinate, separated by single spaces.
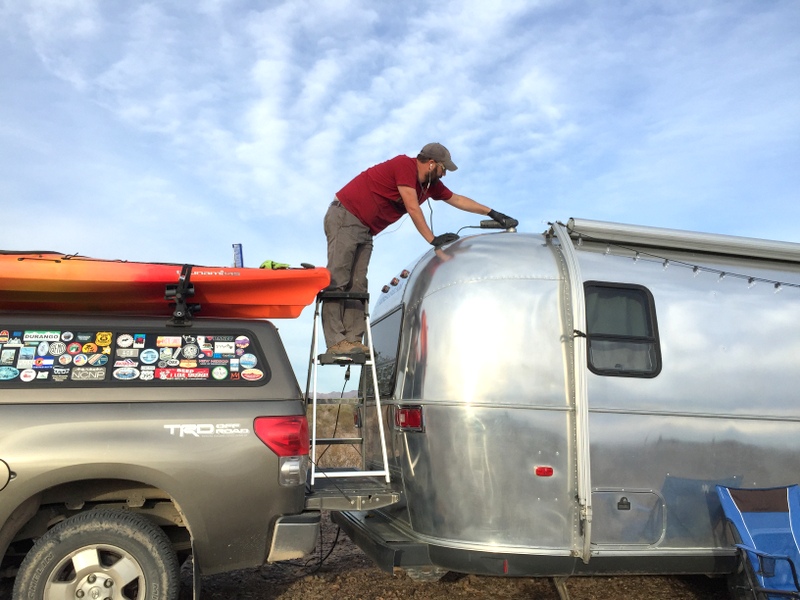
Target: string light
pixel 696 269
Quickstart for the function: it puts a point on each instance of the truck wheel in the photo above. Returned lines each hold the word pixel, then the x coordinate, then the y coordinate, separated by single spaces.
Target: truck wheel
pixel 102 554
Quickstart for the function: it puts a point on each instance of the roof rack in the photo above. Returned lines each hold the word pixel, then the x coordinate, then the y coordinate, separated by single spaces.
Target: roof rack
pixel 178 294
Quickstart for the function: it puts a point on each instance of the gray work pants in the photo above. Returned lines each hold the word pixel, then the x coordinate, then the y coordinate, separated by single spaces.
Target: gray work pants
pixel 349 251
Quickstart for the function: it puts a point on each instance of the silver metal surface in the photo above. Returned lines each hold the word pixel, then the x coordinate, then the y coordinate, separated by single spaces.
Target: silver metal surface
pixel 295 536
pixel 482 350
pixel 575 307
pixel 722 410
pixel 484 343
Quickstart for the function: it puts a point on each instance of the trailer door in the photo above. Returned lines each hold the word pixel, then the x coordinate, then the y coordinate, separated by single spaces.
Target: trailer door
pixel 576 382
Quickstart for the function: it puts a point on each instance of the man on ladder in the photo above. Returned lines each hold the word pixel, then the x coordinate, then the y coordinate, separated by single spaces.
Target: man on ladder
pixel 372 201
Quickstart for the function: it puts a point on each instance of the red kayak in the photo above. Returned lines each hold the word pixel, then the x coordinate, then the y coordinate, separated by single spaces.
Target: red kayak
pixel 51 281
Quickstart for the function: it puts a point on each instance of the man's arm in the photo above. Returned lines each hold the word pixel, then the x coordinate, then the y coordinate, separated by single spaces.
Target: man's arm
pixel 467 204
pixel 411 202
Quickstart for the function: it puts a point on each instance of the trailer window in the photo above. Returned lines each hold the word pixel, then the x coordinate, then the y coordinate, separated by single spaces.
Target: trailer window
pixel 622 335
pixel 385 339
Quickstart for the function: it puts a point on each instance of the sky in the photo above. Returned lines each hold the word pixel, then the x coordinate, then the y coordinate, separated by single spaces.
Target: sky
pixel 168 131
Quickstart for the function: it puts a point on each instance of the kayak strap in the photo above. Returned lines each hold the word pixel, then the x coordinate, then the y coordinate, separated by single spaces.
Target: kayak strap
pixel 178 295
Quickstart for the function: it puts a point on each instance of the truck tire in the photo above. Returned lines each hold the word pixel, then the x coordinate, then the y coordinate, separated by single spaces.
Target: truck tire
pixel 97 555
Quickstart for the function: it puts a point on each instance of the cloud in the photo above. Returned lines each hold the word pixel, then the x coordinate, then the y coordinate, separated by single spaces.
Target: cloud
pixel 225 121
pixel 55 26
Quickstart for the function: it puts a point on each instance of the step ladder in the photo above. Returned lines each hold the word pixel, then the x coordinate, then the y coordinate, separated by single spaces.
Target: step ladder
pixel 365 488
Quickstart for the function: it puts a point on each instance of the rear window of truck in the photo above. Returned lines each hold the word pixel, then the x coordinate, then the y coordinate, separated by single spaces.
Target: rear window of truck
pixel 55 356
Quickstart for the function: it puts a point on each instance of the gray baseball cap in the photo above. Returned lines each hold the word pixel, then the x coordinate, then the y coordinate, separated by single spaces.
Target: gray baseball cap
pixel 440 154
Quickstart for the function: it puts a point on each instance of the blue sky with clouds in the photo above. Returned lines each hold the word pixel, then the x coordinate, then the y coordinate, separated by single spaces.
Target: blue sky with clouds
pixel 168 130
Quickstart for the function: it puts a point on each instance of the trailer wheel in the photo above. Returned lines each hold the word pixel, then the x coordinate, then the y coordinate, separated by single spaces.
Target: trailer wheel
pixel 103 554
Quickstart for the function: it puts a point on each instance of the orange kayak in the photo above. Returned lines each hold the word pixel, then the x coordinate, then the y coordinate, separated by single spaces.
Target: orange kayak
pixel 51 281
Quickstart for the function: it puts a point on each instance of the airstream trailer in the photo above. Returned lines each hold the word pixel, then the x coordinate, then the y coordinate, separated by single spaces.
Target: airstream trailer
pixel 565 403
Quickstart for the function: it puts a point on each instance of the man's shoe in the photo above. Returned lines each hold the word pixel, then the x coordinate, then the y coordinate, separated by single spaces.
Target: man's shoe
pixel 343 347
pixel 359 347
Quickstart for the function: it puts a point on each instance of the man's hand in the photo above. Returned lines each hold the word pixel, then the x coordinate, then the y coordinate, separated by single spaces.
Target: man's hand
pixel 504 220
pixel 445 238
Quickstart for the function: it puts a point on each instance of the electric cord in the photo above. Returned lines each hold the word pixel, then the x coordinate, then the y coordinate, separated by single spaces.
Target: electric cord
pixel 338 411
pixel 286 566
pixel 322 558
pixel 401 221
pixel 468 227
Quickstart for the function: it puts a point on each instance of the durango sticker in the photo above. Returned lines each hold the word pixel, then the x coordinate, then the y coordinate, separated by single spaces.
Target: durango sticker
pixel 41 336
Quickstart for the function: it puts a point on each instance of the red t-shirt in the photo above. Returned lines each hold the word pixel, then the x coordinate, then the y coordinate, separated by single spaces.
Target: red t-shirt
pixel 373 195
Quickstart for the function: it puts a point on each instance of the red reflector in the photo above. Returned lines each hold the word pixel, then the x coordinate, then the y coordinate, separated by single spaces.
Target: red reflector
pixel 408 418
pixel 285 436
pixel 543 471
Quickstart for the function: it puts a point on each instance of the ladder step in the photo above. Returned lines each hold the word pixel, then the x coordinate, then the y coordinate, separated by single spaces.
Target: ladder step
pixel 333 441
pixel 334 295
pixel 344 360
pixel 328 474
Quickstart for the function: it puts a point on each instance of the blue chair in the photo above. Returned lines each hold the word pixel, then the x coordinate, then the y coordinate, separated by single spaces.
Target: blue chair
pixel 766 524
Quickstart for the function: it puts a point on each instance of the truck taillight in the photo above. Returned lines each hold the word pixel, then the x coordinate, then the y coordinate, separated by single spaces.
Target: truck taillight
pixel 285 436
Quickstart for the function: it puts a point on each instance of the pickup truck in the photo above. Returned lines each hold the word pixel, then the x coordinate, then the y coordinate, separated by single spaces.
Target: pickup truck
pixel 127 444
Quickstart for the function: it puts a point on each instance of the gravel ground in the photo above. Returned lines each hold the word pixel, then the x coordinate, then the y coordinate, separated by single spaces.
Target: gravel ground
pixel 347 574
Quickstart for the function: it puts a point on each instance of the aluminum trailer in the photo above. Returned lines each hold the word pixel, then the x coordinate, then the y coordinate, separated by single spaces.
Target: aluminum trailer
pixel 564 403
